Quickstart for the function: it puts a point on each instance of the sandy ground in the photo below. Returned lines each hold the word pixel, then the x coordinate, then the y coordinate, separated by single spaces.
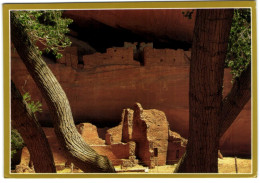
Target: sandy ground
pixel 226 165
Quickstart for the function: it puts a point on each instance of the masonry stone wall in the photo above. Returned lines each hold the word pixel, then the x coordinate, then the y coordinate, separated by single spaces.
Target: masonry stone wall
pixel 90 134
pixel 176 147
pixel 127 126
pixel 150 132
pixel 166 57
pixel 113 56
pixel 114 135
pixel 148 141
pixel 115 152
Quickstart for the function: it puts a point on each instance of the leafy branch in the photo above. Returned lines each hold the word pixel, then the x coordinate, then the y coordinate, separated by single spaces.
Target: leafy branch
pixel 34 106
pixel 47 28
pixel 239 46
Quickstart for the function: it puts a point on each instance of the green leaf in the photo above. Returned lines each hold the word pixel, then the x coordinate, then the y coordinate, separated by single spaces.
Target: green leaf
pixel 239 46
pixel 47 25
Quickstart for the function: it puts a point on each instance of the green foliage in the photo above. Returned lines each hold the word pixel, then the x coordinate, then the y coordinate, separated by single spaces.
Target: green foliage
pixel 47 27
pixel 34 106
pixel 16 142
pixel 239 46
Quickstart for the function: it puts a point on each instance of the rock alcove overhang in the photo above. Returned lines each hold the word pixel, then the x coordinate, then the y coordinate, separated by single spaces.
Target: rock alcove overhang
pixel 104 29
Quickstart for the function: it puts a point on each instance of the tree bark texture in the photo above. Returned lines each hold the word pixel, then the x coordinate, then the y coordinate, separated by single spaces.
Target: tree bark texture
pixel 75 148
pixel 27 125
pixel 209 47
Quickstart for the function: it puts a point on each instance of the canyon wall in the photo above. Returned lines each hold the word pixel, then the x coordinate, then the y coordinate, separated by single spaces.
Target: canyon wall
pixel 163 24
pixel 99 92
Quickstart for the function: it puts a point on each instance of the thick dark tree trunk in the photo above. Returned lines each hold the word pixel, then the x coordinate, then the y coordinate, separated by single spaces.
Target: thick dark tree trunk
pixel 209 47
pixel 75 148
pixel 27 125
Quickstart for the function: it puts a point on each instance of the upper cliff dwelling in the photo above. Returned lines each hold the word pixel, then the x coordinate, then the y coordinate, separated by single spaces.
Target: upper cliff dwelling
pixel 105 29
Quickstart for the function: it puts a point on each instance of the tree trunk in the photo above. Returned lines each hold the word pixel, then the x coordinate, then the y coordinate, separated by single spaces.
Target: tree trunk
pixel 235 101
pixel 209 47
pixel 27 125
pixel 75 148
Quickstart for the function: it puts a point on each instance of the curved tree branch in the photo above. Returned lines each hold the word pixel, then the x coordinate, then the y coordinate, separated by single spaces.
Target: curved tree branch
pixel 237 98
pixel 75 148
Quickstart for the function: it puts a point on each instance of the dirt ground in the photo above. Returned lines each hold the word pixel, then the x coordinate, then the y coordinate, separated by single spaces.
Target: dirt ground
pixel 226 165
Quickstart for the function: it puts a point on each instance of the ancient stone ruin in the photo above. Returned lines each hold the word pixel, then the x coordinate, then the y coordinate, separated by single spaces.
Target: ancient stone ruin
pixel 142 137
pixel 100 85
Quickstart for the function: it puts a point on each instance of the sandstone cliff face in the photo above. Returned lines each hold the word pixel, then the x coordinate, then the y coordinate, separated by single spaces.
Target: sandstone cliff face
pixel 99 93
pixel 167 24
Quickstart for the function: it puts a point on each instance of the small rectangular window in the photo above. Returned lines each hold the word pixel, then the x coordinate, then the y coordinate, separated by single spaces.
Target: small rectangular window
pixel 155 152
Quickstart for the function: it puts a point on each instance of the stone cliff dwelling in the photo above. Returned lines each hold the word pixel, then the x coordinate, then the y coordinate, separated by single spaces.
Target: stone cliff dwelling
pixel 121 63
pixel 107 78
pixel 131 54
pixel 142 137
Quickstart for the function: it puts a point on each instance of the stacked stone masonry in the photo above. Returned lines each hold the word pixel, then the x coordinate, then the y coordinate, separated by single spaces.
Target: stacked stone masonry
pixel 129 55
pixel 148 142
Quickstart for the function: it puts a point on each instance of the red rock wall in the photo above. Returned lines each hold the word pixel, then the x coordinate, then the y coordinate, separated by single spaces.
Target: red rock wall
pixel 70 57
pixel 99 95
pixel 162 23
